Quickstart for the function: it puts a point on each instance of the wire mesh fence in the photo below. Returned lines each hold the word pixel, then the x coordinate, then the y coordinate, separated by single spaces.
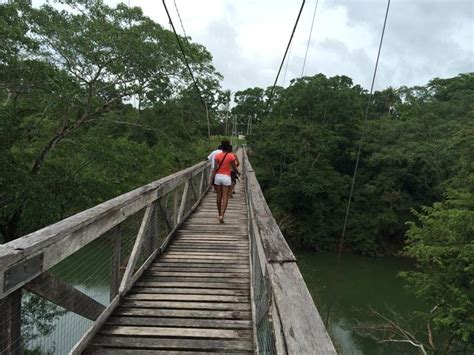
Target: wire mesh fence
pixel 51 329
pixel 83 284
pixel 262 301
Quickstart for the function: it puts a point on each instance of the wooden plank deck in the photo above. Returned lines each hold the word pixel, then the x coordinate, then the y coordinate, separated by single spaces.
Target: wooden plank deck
pixel 195 297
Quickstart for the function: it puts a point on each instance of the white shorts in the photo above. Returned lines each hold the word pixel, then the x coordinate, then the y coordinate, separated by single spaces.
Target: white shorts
pixel 222 179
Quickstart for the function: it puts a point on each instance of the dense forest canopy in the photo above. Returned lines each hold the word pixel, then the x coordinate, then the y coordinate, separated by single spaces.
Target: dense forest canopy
pixel 70 136
pixel 416 147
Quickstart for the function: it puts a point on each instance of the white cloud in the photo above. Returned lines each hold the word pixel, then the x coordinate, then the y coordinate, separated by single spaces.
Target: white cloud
pixel 247 38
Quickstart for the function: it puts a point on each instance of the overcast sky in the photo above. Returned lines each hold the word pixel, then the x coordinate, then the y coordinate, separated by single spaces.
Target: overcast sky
pixel 247 38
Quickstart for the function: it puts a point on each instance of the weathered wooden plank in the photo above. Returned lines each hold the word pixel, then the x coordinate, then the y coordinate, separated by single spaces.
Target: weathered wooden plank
pixel 175 332
pixel 136 249
pixel 196 279
pixel 63 294
pixel 65 237
pixel 277 331
pixel 219 228
pixel 205 253
pixel 181 322
pixel 301 323
pixel 210 249
pixel 196 265
pixel 154 273
pixel 201 257
pixel 194 291
pixel 225 248
pixel 214 270
pixel 203 235
pixel 165 259
pixel 209 285
pixel 183 313
pixel 210 242
pixel 225 306
pixel 236 239
pixel 211 215
pixel 117 351
pixel 188 297
pixel 10 324
pixel 197 241
pixel 188 344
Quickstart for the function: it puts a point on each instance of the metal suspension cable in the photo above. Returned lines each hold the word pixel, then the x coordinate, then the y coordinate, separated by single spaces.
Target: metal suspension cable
pixel 287 62
pixel 309 37
pixel 284 56
pixel 190 71
pixel 180 21
pixel 359 149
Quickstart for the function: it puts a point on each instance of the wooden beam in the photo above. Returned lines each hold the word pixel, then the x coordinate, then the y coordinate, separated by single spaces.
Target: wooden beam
pixel 10 324
pixel 193 189
pixel 164 212
pixel 136 249
pixel 184 198
pixel 62 294
pixel 175 206
pixel 277 331
pixel 201 180
pixel 116 245
pixel 303 329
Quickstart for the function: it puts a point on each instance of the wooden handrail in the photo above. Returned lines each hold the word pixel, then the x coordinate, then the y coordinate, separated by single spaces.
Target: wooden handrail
pixel 298 320
pixel 50 245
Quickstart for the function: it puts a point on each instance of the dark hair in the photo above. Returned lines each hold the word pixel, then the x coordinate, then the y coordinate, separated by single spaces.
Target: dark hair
pixel 230 149
pixel 226 147
pixel 219 147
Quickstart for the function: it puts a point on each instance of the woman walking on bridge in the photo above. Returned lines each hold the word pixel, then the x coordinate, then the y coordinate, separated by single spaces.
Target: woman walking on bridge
pixel 225 162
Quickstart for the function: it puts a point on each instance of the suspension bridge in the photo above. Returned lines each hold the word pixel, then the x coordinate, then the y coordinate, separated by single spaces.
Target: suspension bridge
pixel 176 280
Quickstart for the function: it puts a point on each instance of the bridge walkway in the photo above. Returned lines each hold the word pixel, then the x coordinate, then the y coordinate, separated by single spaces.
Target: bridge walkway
pixel 195 296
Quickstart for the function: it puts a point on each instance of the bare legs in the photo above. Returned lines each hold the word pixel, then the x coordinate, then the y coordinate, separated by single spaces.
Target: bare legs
pixel 222 200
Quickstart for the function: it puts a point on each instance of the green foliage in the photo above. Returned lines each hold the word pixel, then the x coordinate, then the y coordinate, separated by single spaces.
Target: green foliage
pixel 68 139
pixel 442 243
pixel 417 143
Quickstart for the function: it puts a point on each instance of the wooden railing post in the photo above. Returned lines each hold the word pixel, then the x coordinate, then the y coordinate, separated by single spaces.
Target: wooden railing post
pixel 116 243
pixel 201 182
pixel 175 206
pixel 132 262
pixel 184 198
pixel 10 324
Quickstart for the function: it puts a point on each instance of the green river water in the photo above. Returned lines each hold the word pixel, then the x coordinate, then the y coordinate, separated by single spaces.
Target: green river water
pixel 362 283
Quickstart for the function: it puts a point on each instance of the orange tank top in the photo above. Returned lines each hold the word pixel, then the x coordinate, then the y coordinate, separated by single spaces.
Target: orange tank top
pixel 224 166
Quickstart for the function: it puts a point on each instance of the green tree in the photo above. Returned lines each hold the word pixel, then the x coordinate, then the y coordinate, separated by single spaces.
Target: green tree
pixel 442 243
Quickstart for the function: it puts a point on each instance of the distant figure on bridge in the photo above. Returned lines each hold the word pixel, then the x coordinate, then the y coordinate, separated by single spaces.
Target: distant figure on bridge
pixel 221 177
pixel 211 156
pixel 234 174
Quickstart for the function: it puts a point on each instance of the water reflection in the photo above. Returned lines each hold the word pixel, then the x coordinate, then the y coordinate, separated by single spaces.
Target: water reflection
pixel 362 283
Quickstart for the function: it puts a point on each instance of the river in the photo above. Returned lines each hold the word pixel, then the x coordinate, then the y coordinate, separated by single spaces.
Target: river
pixel 362 284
